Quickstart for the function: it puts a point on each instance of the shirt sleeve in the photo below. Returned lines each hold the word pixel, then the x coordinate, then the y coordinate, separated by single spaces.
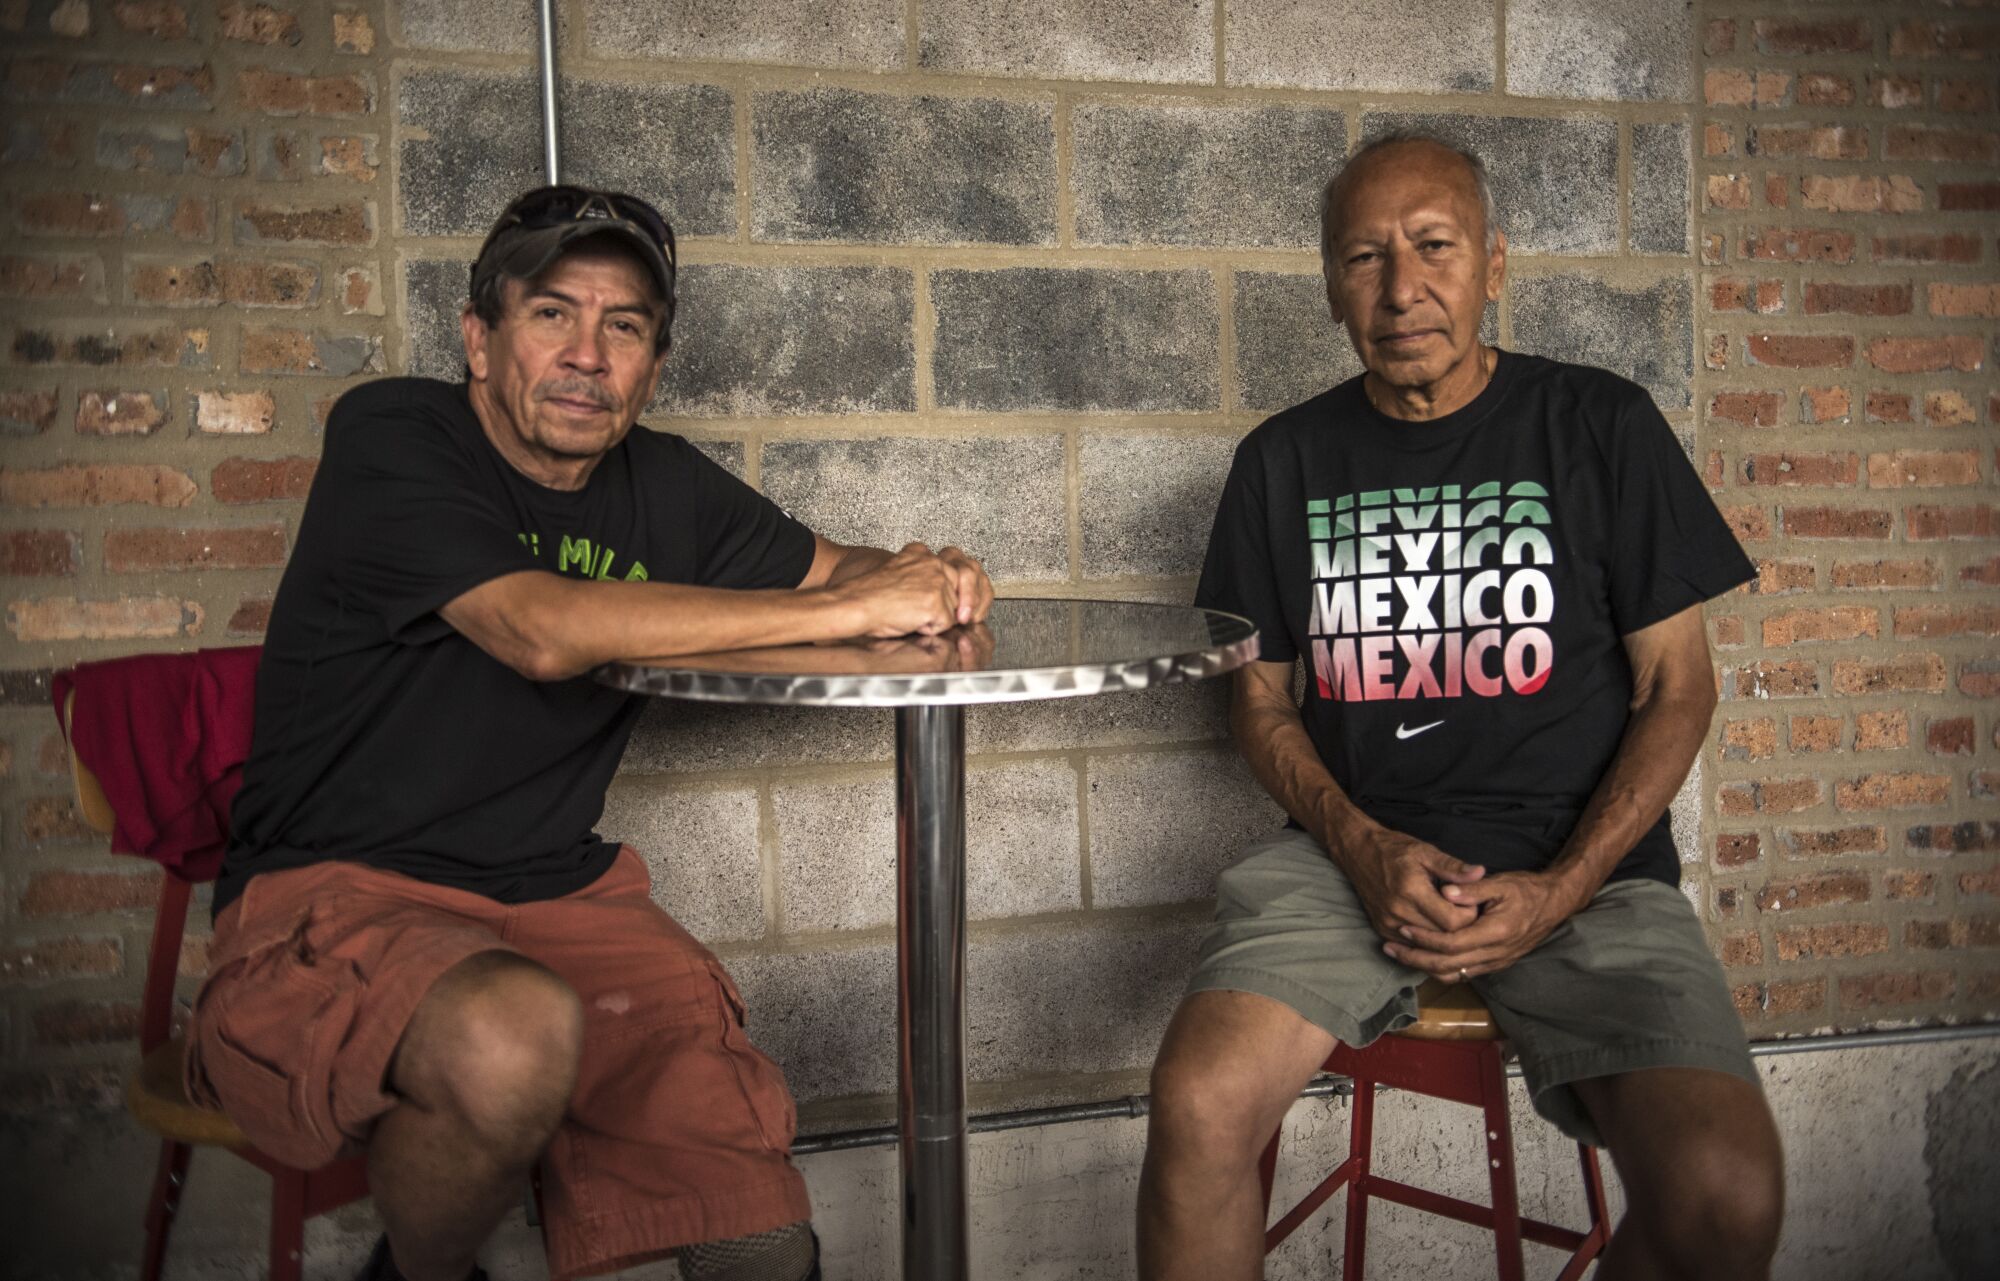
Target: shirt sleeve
pixel 410 524
pixel 1239 574
pixel 1670 546
pixel 745 540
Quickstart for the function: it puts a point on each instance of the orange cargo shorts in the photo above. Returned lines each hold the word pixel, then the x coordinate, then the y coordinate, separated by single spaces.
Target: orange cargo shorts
pixel 679 1130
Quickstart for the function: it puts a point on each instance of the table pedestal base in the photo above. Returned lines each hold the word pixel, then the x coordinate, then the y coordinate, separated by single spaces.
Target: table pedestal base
pixel 930 988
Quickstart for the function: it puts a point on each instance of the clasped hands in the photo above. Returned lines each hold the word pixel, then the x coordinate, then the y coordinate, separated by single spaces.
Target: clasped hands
pixel 1449 918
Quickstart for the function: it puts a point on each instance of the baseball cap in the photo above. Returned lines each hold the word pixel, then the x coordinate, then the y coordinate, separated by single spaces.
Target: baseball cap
pixel 537 226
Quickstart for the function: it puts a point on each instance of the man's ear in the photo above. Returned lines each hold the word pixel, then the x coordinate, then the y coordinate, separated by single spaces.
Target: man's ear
pixel 1333 303
pixel 475 332
pixel 1496 266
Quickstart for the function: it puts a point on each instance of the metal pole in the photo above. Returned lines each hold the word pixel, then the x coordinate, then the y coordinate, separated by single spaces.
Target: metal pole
pixel 552 161
pixel 930 989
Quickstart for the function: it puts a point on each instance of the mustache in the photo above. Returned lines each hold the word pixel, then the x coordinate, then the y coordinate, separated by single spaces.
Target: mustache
pixel 574 389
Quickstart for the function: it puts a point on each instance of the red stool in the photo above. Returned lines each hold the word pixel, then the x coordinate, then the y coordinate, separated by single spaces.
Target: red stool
pixel 1452 1051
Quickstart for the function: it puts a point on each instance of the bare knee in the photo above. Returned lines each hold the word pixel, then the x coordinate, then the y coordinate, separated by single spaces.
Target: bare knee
pixel 1716 1208
pixel 495 1043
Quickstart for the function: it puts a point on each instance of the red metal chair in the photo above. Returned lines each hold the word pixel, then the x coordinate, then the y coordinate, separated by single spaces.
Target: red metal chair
pixel 1452 1052
pixel 156 1099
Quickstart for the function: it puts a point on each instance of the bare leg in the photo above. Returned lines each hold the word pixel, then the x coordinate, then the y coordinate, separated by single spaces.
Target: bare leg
pixel 1704 1176
pixel 1229 1067
pixel 485 1072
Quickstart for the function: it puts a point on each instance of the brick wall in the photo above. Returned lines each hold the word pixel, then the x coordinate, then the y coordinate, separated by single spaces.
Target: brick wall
pixel 1019 276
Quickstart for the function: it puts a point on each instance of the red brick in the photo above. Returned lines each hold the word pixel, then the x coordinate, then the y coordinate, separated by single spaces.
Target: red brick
pixel 1778 190
pixel 1728 630
pixel 1781 577
pixel 1948 620
pixel 1891 791
pixel 1727 191
pixel 1815 142
pixel 1766 297
pixel 1909 887
pixel 48 960
pixel 1860 193
pixel 245 413
pixel 1824 299
pixel 1949 39
pixel 251 480
pixel 1775 1000
pixel 1825 405
pixel 360 292
pixel 1748 408
pixel 1810 626
pixel 1929 523
pixel 1792 679
pixel 1793 36
pixel 139 84
pixel 1718 36
pixel 352 32
pixel 280 93
pixel 1870 575
pixel 69 277
pixel 1769 796
pixel 1813 891
pixel 1895 92
pixel 1836 522
pixel 52 757
pixel 1798 244
pixel 1864 991
pixel 161 19
pixel 26 413
pixel 1826 942
pixel 1739 87
pixel 1749 524
pixel 1734 849
pixel 1986 573
pixel 1949 146
pixel 1964 95
pixel 1904 674
pixel 350 222
pixel 1749 740
pixel 141 551
pixel 1932 936
pixel 1820 89
pixel 349 157
pixel 252 617
pixel 1924 249
pixel 67 893
pixel 1716 355
pixel 244 282
pixel 1802 469
pixel 120 413
pixel 125 618
pixel 54 819
pixel 1882 731
pixel 258 24
pixel 1799 351
pixel 1949 409
pixel 1961 352
pixel 1815 733
pixel 1979 678
pixel 1981 300
pixel 1955 838
pixel 1728 902
pixel 1806 843
pixel 1981 884
pixel 1953 736
pixel 1718 140
pixel 40 553
pixel 1741 950
pixel 97 486
pixel 1959 197
pixel 299 351
pixel 1923 468
pixel 64 1023
pixel 1888 407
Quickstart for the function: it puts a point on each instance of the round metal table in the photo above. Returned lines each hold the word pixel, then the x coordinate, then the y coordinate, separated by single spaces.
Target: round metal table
pixel 1027 649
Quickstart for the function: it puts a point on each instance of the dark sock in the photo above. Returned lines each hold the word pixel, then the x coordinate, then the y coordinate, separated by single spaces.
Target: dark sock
pixel 381 1265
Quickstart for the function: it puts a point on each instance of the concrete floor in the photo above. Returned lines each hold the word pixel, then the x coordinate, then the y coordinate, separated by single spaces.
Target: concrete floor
pixel 1893 1158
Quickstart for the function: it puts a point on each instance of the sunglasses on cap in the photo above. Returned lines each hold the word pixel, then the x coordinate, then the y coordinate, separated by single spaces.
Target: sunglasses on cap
pixel 547 207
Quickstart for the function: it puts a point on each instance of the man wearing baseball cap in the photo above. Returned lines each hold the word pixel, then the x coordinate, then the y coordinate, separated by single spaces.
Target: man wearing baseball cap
pixel 422 949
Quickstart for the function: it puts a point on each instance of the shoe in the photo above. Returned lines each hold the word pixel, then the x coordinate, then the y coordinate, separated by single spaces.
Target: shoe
pixel 381 1266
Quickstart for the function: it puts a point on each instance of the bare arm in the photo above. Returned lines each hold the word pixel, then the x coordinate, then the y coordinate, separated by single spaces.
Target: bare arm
pixel 1395 874
pixel 1673 700
pixel 548 627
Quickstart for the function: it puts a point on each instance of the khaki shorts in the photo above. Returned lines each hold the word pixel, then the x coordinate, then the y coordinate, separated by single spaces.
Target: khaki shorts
pixel 678 1132
pixel 1627 983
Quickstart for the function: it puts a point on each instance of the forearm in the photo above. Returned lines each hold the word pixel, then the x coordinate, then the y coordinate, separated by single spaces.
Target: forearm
pixel 855 561
pixel 1281 754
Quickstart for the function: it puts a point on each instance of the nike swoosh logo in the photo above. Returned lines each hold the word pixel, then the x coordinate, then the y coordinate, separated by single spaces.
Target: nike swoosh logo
pixel 1412 733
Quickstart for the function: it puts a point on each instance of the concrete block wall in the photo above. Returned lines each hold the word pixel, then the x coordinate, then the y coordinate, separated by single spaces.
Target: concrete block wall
pixel 1018 276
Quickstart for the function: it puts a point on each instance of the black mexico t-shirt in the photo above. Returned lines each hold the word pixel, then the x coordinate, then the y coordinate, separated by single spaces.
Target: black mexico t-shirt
pixel 385 737
pixel 1458 589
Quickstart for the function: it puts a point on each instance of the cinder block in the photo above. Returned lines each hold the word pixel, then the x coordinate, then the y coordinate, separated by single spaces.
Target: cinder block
pixel 1407 46
pixel 1645 334
pixel 1555 180
pixel 833 164
pixel 701 848
pixel 827 1017
pixel 1602 49
pixel 469 25
pixel 434 292
pixel 1660 161
pixel 1091 997
pixel 682 737
pixel 1001 498
pixel 478 144
pixel 820 33
pixel 837 847
pixel 1052 339
pixel 1162 41
pixel 1202 175
pixel 1684 813
pixel 729 453
pixel 1287 347
pixel 1162 824
pixel 1148 500
pixel 1191 713
pixel 754 341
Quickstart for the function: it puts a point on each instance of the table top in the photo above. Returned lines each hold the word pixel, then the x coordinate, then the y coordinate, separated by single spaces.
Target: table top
pixel 1027 649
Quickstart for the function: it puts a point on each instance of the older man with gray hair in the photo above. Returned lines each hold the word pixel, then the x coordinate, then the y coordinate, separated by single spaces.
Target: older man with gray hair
pixel 1492 567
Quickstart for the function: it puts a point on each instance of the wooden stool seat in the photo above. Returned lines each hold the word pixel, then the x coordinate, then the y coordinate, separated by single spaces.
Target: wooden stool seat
pixel 158 1100
pixel 1450 1012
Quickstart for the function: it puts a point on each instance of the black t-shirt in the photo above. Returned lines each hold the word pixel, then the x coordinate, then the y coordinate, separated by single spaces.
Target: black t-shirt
pixel 1458 589
pixel 384 736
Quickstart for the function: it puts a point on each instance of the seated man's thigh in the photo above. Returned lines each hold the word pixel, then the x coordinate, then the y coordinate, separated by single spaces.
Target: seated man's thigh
pixel 314 974
pixel 1625 985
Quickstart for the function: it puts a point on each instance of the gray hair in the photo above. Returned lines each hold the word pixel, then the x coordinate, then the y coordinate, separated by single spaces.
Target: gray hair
pixel 1480 183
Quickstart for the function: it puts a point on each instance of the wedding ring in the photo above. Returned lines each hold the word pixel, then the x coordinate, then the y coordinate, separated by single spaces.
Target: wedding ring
pixel 1461 974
